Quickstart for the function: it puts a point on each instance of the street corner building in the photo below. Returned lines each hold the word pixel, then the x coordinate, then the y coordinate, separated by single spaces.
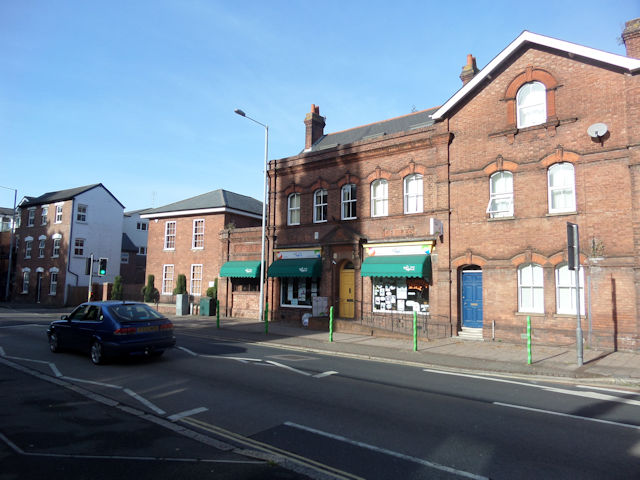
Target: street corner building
pixel 457 214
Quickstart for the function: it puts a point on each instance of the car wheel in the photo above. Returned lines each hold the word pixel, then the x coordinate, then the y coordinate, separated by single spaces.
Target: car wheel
pixel 54 346
pixel 96 353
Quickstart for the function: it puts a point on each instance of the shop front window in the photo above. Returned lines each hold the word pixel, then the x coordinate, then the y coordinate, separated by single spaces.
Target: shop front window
pixel 298 291
pixel 402 295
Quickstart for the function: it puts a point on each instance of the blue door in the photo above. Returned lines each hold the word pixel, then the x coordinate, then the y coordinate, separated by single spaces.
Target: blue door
pixel 472 298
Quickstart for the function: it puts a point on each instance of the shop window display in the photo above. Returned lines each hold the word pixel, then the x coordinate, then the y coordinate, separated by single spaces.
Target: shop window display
pixel 403 295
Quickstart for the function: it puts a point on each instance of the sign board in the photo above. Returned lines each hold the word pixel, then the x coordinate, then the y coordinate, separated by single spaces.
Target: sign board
pixel 320 306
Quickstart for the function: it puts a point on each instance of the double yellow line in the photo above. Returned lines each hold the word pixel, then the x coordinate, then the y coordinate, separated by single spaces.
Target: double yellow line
pixel 271 450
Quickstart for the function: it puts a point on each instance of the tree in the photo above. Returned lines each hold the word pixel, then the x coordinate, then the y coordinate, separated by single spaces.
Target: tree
pixel 116 291
pixel 213 291
pixel 181 285
pixel 149 292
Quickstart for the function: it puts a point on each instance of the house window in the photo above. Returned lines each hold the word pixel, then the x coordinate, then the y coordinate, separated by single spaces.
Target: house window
pixel 56 247
pixel 124 257
pixel 142 250
pixel 53 283
pixel 501 195
pixel 41 245
pixel 198 233
pixel 413 194
pixel 379 198
pixel 170 235
pixel 348 195
pixel 28 244
pixel 531 104
pixel 530 289
pixel 78 247
pixel 58 213
pixel 141 226
pixel 81 216
pixel 320 200
pixel 298 291
pixel 293 209
pixel 566 290
pixel 31 216
pixel 44 215
pixel 167 280
pixel 196 280
pixel 25 281
pixel 562 196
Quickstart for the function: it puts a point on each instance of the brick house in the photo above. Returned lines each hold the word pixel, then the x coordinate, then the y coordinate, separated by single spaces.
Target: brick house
pixel 185 238
pixel 133 260
pixel 57 232
pixel 459 213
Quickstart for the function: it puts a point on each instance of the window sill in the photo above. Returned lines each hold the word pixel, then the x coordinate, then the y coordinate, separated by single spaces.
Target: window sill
pixel 532 314
pixel 559 214
pixel 499 219
pixel 197 248
pixel 296 306
pixel 168 249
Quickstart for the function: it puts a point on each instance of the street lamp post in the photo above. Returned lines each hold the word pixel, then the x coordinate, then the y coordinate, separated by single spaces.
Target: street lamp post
pixel 13 230
pixel 264 217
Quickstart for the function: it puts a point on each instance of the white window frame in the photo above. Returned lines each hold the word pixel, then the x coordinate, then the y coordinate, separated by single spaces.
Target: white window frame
pixel 28 246
pixel 26 273
pixel 167 279
pixel 142 250
pixel 348 202
pixel 413 194
pixel 320 205
pixel 566 290
pixel 531 288
pixel 44 215
pixel 170 235
pixel 197 242
pixel 567 188
pixel 380 198
pixel 31 216
pixel 124 257
pixel 53 281
pixel 42 243
pixel 78 247
pixel 195 284
pixel 81 213
pixel 57 243
pixel 500 199
pixel 293 209
pixel 531 104
pixel 58 213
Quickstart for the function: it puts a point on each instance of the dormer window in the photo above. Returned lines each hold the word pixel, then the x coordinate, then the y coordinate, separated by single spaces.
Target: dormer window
pixel 531 104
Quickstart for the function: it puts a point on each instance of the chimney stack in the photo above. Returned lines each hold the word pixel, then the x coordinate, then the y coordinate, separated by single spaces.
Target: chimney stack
pixel 314 124
pixel 631 38
pixel 469 70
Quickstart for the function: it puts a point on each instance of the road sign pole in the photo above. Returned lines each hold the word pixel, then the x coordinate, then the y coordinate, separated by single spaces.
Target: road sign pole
pixel 573 254
pixel 90 291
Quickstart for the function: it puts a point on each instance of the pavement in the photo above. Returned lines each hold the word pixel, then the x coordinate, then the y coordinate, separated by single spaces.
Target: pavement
pixel 621 368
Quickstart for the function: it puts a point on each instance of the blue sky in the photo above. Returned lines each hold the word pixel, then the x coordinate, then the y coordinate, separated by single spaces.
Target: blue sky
pixel 139 95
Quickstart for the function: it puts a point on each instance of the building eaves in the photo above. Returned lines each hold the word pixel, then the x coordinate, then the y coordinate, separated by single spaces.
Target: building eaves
pixel 632 65
pixel 215 200
pixel 62 195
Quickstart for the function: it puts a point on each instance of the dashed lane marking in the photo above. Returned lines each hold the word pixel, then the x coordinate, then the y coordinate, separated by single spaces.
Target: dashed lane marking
pixel 177 416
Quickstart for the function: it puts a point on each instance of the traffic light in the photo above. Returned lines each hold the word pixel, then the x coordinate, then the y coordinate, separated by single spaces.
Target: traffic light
pixel 102 266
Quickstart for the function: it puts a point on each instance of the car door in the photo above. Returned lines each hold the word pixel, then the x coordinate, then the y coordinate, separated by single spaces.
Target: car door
pixel 85 327
pixel 67 336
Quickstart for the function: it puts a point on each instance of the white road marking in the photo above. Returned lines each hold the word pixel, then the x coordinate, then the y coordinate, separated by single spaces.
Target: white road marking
pixel 144 401
pixel 577 417
pixel 1 351
pixel 325 374
pixel 614 390
pixel 402 456
pixel 100 384
pixel 187 413
pixel 287 367
pixel 188 351
pixel 55 370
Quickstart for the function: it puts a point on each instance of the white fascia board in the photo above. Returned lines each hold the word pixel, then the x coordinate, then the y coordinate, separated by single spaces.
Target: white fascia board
pixel 630 64
pixel 200 211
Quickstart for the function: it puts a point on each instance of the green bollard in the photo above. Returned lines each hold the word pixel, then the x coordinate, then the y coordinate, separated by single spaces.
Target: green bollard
pixel 331 324
pixel 266 318
pixel 217 313
pixel 415 331
pixel 529 339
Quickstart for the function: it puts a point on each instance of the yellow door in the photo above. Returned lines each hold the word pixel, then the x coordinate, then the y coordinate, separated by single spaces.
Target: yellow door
pixel 347 284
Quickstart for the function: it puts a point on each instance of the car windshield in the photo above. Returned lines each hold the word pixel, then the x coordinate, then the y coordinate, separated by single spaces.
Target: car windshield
pixel 134 312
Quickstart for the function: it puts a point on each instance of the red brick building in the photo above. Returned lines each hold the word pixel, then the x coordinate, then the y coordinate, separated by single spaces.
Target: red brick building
pixel 460 213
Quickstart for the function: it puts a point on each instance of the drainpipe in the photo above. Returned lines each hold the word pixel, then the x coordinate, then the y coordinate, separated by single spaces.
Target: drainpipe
pixel 66 290
pixel 449 224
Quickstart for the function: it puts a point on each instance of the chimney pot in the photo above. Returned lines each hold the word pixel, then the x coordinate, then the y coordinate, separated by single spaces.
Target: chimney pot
pixel 469 70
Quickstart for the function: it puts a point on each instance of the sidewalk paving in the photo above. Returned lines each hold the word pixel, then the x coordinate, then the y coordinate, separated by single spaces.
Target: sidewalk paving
pixel 599 366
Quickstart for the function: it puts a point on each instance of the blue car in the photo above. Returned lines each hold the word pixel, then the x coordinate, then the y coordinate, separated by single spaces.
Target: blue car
pixel 112 328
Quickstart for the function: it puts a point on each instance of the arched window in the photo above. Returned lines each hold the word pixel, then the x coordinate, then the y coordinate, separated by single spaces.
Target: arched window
pixel 320 206
pixel 348 201
pixel 293 209
pixel 530 288
pixel 500 195
pixel 531 104
pixel 562 196
pixel 413 193
pixel 379 198
pixel 566 290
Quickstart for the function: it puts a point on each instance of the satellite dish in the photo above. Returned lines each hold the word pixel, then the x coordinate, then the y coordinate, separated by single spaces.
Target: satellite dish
pixel 597 130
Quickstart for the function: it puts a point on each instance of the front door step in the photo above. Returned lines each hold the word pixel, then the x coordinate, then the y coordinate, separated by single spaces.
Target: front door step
pixel 468 333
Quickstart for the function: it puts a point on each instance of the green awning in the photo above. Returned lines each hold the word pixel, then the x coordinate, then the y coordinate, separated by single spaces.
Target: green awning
pixel 397 266
pixel 296 267
pixel 241 269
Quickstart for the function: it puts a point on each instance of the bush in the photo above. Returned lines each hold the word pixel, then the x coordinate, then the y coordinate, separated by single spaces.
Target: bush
pixel 149 292
pixel 213 291
pixel 116 291
pixel 181 285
